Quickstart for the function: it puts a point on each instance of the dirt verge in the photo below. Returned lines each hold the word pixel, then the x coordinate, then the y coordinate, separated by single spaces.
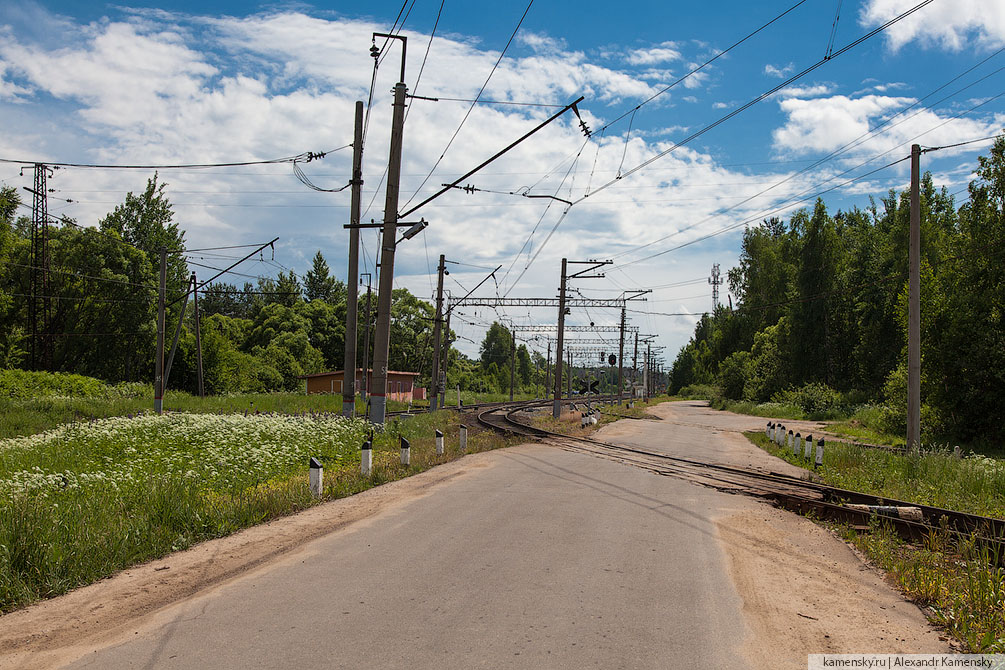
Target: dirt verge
pixel 806 592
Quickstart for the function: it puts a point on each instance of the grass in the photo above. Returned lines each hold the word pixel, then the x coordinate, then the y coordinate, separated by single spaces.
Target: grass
pixel 957 579
pixel 29 416
pixel 89 498
pixel 975 484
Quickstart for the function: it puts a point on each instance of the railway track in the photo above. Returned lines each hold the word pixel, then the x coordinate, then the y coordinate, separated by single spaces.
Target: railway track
pixel 911 520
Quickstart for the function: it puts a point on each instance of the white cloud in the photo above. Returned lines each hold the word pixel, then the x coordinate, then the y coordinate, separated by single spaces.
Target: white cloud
pixel 10 91
pixel 541 43
pixel 695 79
pixel 951 25
pixel 814 91
pixel 826 124
pixel 720 105
pixel 664 53
pixel 780 72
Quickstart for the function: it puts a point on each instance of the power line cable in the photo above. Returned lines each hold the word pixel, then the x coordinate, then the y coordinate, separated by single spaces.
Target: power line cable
pixel 759 98
pixel 885 126
pixel 472 106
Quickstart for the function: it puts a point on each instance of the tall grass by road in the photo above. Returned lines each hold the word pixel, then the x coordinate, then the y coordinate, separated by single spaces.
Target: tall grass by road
pixel 975 484
pixel 86 499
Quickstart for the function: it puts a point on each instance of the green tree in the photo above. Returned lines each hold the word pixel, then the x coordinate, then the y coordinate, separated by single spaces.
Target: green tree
pixel 319 285
pixel 497 346
pixel 524 367
pixel 145 222
pixel 12 351
pixel 288 290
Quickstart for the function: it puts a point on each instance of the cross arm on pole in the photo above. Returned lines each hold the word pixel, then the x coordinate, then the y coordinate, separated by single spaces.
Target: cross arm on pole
pixel 221 272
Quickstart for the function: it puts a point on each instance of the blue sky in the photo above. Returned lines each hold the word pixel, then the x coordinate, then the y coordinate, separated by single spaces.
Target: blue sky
pixel 219 82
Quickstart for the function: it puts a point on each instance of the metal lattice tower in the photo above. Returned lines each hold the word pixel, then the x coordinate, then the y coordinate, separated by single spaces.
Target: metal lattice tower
pixel 39 309
pixel 715 280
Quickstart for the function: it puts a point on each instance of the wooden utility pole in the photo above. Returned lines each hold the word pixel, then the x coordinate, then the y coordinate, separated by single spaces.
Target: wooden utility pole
pixel 352 283
pixel 159 361
pixel 635 362
pixel 444 358
pixel 914 310
pixel 547 371
pixel 512 366
pixel 177 331
pixel 198 335
pixel 434 378
pixel 621 357
pixel 382 335
pixel 568 377
pixel 366 336
pixel 556 409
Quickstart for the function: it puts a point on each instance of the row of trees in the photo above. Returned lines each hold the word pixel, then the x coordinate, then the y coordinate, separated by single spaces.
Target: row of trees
pixel 823 300
pixel 259 337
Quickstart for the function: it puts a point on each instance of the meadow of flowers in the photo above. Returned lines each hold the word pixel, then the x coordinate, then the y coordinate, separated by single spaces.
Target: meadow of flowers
pixel 85 499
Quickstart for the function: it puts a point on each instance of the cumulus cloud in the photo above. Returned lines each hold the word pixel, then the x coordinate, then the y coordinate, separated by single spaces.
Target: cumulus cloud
pixel 10 91
pixel 826 124
pixel 780 72
pixel 666 52
pixel 950 25
pixel 814 91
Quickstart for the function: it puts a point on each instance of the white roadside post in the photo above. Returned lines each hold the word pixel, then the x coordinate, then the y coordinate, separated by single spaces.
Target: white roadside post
pixel 366 458
pixel 464 438
pixel 808 448
pixel 406 452
pixel 820 453
pixel 767 430
pixel 795 445
pixel 316 477
pixel 439 443
pixel 791 440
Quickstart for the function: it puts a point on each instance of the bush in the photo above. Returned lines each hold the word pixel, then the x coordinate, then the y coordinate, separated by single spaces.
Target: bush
pixel 26 385
pixel 894 418
pixel 814 398
pixel 700 392
pixel 733 373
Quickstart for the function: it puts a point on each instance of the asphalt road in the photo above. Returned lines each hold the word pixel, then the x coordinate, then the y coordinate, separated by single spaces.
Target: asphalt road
pixel 541 558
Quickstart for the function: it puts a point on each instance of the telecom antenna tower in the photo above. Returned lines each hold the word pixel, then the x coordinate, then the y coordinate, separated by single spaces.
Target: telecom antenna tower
pixel 715 280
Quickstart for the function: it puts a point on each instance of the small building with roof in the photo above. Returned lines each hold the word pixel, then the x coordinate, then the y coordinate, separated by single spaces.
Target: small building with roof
pixel 400 385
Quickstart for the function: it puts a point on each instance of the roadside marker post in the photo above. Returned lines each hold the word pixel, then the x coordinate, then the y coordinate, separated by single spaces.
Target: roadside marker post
pixel 808 448
pixel 316 477
pixel 767 430
pixel 791 442
pixel 366 458
pixel 439 443
pixel 464 438
pixel 820 454
pixel 406 452
pixel 795 445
